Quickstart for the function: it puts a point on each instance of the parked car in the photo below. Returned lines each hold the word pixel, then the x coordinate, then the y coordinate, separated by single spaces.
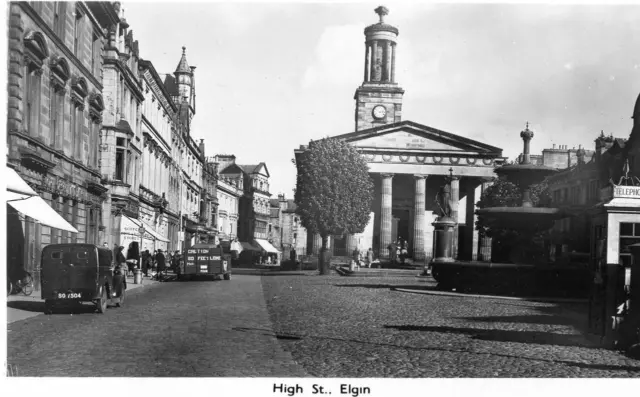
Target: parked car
pixel 80 273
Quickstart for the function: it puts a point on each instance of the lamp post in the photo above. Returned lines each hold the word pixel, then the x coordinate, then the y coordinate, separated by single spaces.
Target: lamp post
pixel 141 231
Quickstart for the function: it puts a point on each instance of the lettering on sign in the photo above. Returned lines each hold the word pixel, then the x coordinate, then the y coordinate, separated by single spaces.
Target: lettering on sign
pixel 626 191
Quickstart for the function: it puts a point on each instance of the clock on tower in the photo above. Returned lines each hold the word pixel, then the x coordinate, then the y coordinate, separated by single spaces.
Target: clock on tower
pixel 379 98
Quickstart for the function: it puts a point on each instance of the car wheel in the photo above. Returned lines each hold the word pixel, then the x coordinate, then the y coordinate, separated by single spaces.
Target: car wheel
pixel 48 306
pixel 9 287
pixel 227 276
pixel 102 302
pixel 121 301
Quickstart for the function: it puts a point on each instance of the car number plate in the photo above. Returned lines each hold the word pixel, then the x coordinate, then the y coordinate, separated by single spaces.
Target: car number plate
pixel 69 295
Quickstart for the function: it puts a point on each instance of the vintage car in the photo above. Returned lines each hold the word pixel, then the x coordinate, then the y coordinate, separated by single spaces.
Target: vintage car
pixel 72 273
pixel 205 260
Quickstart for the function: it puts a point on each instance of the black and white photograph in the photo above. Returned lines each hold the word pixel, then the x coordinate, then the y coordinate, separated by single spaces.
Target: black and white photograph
pixel 283 198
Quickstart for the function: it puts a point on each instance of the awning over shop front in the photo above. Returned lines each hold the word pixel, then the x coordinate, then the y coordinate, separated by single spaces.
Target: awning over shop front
pixel 26 201
pixel 266 246
pixel 132 226
pixel 249 247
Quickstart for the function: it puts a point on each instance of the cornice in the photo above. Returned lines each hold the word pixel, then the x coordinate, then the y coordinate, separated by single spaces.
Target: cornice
pixel 56 153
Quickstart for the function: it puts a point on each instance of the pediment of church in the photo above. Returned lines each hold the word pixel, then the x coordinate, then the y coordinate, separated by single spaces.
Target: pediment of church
pixel 407 136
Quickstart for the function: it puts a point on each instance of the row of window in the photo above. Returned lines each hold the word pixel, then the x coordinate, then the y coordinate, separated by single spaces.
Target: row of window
pixel 571 195
pixel 80 21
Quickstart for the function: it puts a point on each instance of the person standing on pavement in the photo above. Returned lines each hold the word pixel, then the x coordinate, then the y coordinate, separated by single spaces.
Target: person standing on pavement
pixel 160 263
pixel 369 257
pixel 144 262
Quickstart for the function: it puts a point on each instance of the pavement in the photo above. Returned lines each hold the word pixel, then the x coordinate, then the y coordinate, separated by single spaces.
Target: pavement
pixel 20 307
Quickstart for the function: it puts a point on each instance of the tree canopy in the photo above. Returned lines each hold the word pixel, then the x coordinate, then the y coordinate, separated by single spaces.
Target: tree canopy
pixel 333 190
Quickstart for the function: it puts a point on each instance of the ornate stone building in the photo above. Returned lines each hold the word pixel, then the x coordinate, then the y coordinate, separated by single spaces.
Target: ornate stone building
pixel 55 111
pixel 159 193
pixel 229 191
pixel 121 139
pixel 408 163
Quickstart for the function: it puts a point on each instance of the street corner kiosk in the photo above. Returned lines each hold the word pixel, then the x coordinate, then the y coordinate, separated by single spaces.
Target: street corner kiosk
pixel 205 260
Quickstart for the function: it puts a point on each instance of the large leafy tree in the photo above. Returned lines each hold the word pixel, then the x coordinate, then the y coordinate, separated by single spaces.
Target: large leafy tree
pixel 333 191
pixel 503 193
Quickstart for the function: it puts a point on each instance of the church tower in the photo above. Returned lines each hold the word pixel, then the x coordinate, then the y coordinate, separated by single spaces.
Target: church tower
pixel 185 81
pixel 379 98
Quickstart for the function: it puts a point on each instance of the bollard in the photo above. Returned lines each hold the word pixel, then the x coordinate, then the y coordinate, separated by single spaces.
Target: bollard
pixel 352 266
pixel 137 276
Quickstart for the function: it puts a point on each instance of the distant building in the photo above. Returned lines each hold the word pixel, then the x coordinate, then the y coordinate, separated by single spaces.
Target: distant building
pixel 287 229
pixel 559 157
pixel 229 191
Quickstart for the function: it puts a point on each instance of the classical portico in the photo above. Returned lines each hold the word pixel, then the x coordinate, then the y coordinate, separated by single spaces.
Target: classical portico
pixel 409 163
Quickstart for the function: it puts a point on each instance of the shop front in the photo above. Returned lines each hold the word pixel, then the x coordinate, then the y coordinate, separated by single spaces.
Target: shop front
pixel 27 215
pixel 134 230
pixel 270 255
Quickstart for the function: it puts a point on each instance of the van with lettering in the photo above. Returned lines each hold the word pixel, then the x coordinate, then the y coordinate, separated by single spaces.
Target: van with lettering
pixel 75 273
pixel 205 260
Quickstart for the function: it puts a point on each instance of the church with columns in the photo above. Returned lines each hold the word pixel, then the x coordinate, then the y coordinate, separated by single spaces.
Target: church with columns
pixel 409 162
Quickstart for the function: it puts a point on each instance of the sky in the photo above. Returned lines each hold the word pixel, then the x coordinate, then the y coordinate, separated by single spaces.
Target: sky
pixel 273 76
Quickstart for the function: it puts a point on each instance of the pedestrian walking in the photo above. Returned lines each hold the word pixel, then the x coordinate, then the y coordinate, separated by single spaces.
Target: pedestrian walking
pixel 369 257
pixel 356 256
pixel 144 259
pixel 160 263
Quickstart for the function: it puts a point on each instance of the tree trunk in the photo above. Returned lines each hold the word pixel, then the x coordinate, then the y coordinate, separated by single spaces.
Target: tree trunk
pixel 323 263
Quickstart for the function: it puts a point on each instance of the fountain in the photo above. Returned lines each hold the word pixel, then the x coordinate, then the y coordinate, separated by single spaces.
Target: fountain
pixel 528 271
pixel 527 218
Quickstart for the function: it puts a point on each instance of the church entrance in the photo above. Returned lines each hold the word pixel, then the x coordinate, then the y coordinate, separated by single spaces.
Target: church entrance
pixel 400 226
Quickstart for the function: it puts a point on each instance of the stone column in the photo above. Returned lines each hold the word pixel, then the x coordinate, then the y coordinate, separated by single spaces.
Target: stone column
pixel 367 59
pixel 471 233
pixel 455 202
pixel 418 217
pixel 393 63
pixel 385 215
pixel 317 244
pixel 484 243
pixel 373 76
pixel 387 61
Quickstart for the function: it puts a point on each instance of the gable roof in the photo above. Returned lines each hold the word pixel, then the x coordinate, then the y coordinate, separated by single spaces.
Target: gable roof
pixel 232 168
pixel 255 168
pixel 411 136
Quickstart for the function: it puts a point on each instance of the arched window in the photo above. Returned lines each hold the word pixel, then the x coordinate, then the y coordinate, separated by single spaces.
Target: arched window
pixel 35 52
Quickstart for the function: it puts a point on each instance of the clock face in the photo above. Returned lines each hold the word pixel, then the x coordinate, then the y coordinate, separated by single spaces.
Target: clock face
pixel 379 112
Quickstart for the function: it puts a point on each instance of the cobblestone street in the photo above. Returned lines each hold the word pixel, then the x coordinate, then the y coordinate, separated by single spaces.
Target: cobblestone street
pixel 300 325
pixel 170 329
pixel 359 327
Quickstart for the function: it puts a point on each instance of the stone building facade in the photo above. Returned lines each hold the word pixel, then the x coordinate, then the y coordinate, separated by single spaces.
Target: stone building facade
pixel 287 231
pixel 101 136
pixel 55 112
pixel 159 193
pixel 409 163
pixel 121 139
pixel 254 204
pixel 229 191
